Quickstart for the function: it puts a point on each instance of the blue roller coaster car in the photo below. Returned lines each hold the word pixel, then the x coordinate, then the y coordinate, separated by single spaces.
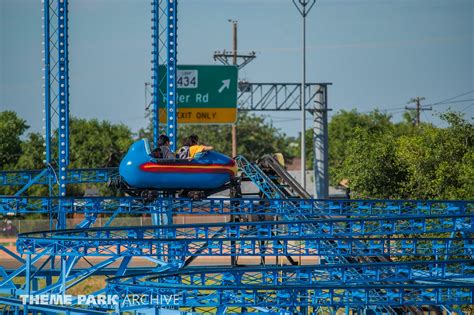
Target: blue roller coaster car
pixel 207 172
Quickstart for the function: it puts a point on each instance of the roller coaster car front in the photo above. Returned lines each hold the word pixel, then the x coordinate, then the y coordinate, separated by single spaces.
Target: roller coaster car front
pixel 206 174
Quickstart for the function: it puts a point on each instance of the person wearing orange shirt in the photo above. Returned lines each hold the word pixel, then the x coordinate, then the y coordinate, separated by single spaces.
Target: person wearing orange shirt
pixel 195 147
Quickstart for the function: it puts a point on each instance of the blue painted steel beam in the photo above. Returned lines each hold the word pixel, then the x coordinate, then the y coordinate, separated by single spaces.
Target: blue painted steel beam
pixel 421 270
pixel 50 309
pixel 43 173
pixel 266 238
pixel 290 296
pixel 76 277
pixel 259 178
pixel 155 20
pixel 336 227
pixel 171 63
pixel 47 82
pixel 21 178
pixel 63 97
pixel 73 176
pixel 293 208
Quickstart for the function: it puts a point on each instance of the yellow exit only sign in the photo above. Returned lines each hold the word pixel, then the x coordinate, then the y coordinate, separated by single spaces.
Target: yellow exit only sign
pixel 203 115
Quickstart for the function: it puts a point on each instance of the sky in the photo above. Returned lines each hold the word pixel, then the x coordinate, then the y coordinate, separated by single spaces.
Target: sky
pixel 376 53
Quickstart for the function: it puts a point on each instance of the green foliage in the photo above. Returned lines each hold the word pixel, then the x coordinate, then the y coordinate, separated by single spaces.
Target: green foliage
pixel 97 143
pixel 93 143
pixel 386 160
pixel 341 130
pixel 371 165
pixel 11 129
pixel 32 153
pixel 439 161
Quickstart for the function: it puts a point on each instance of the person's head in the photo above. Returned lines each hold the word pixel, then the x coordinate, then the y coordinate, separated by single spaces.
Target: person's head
pixel 193 139
pixel 186 142
pixel 163 140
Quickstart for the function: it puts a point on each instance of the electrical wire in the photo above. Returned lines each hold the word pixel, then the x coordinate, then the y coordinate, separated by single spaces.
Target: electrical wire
pixel 450 102
pixel 454 97
pixel 442 102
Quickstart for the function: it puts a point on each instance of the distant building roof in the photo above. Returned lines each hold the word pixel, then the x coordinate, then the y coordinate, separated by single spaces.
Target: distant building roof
pixel 295 164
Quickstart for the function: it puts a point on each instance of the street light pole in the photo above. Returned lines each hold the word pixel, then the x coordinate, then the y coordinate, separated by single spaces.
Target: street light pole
pixel 303 7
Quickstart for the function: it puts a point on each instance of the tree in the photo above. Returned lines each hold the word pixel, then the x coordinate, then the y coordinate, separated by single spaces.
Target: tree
pixel 11 129
pixel 439 161
pixel 97 143
pixel 425 162
pixel 371 166
pixel 93 143
pixel 32 158
pixel 341 129
pixel 32 153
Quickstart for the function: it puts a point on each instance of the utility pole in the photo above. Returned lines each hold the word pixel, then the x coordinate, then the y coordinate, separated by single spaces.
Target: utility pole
pixel 303 7
pixel 234 62
pixel 417 101
pixel 224 58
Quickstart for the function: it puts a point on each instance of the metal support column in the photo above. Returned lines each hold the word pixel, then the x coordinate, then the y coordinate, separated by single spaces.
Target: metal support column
pixel 63 106
pixel 171 106
pixel 321 145
pixel 46 86
pixel 27 281
pixel 155 66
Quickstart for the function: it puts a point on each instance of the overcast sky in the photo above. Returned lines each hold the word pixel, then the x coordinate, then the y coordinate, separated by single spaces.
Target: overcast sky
pixel 377 53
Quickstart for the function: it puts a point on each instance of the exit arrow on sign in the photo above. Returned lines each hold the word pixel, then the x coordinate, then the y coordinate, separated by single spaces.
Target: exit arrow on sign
pixel 225 85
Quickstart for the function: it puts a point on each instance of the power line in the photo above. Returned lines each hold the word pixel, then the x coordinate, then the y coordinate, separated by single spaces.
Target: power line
pixel 432 104
pixel 451 102
pixel 442 102
pixel 454 97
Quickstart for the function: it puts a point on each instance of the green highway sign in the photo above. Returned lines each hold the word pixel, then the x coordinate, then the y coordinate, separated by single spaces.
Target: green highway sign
pixel 205 94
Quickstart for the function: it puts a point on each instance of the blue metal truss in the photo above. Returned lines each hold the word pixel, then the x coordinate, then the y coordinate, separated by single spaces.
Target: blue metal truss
pixel 171 70
pixel 348 239
pixel 40 177
pixel 16 306
pixel 290 297
pixel 63 100
pixel 56 76
pixel 314 285
pixel 422 270
pixel 290 208
pixel 56 102
pixel 259 239
pixel 268 188
pixel 155 11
